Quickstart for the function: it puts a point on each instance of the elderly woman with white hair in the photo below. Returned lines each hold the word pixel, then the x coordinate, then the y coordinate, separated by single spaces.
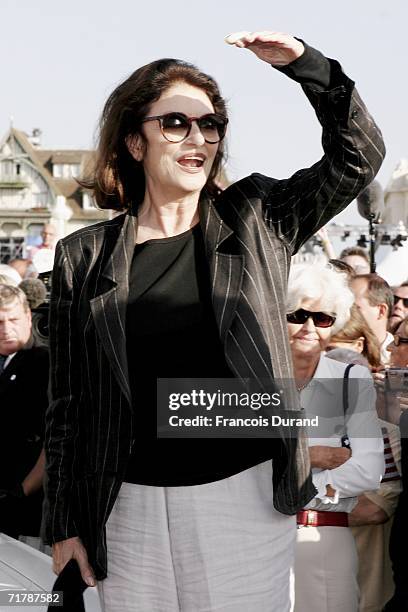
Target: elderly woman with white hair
pixel 344 463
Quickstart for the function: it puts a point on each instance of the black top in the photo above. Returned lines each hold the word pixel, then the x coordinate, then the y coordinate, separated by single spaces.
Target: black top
pixel 172 333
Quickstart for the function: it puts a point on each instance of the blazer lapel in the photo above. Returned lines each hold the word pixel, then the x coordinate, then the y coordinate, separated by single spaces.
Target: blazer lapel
pixel 226 270
pixel 109 307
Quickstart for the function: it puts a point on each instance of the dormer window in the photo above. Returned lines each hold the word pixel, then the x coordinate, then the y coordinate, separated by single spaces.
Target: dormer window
pixel 65 171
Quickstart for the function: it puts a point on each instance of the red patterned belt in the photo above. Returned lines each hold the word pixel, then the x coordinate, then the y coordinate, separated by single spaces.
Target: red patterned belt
pixel 317 518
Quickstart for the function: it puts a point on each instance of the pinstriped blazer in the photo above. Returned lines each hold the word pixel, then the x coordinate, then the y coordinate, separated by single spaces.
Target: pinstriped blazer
pixel 250 232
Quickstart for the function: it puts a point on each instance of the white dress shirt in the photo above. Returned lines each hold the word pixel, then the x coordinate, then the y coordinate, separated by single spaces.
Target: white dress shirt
pixel 7 361
pixel 385 355
pixel 363 471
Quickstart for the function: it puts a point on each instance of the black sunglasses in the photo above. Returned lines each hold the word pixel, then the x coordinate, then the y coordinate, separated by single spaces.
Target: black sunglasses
pixel 404 301
pixel 398 340
pixel 176 127
pixel 320 319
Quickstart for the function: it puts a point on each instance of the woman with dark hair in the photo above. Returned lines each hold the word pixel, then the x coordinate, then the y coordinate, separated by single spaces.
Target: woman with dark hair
pixel 189 282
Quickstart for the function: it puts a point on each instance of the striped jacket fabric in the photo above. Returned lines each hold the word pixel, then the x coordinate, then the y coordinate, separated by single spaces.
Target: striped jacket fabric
pixel 250 231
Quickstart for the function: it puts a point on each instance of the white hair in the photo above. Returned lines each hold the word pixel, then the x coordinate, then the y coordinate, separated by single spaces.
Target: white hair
pixel 11 275
pixel 321 282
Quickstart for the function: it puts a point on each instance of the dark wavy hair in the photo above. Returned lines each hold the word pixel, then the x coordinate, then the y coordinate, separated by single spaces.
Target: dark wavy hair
pixel 117 180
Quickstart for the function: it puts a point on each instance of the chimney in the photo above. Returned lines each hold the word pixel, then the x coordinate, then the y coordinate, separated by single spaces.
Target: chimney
pixel 35 138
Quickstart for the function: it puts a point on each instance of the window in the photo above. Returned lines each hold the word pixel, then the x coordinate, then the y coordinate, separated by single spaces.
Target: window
pixel 57 170
pixel 74 170
pixel 65 171
pixel 87 202
pixel 7 169
pixel 11 248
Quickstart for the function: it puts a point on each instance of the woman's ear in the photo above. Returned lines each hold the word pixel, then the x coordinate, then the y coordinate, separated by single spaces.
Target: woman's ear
pixel 359 344
pixel 135 146
pixel 382 311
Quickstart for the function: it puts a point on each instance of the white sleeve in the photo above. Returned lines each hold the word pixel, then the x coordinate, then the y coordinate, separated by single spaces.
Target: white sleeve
pixel 363 471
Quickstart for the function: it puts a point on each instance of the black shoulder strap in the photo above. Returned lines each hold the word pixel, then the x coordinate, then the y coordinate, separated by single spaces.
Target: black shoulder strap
pixel 346 387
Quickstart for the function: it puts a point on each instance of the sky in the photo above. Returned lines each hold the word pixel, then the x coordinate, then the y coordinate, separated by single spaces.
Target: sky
pixel 60 61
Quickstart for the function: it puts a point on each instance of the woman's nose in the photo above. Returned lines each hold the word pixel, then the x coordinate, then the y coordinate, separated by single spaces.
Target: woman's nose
pixel 309 325
pixel 195 134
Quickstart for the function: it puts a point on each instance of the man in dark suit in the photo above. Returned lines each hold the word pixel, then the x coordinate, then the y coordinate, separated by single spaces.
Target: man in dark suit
pixel 23 401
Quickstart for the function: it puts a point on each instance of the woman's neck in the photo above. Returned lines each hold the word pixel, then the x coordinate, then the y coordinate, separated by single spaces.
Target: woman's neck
pixel 304 367
pixel 161 217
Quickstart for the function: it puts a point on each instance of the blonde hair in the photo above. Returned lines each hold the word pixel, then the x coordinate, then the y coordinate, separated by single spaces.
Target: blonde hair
pixel 355 328
pixel 9 294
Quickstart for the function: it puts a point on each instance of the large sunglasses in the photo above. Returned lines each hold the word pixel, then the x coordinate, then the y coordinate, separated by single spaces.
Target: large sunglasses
pixel 398 340
pixel 403 300
pixel 320 319
pixel 176 127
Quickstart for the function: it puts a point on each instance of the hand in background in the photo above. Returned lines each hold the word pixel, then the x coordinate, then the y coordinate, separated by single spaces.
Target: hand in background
pixel 328 457
pixel 367 513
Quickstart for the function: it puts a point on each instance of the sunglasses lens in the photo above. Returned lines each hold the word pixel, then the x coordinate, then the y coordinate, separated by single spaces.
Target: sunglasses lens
pixel 212 127
pixel 298 317
pixel 403 300
pixel 320 319
pixel 175 127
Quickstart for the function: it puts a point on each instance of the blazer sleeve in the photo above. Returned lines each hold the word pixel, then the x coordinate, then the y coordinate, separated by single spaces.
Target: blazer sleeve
pixel 353 153
pixel 61 416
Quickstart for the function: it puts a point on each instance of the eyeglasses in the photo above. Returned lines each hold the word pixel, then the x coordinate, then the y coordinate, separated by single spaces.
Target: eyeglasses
pixel 320 319
pixel 176 127
pixel 404 301
pixel 398 340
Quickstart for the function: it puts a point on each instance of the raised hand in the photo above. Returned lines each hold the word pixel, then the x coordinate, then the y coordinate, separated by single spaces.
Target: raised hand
pixel 275 48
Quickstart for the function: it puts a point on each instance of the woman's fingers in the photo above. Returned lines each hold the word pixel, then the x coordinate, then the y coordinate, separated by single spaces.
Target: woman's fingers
pixel 245 38
pixel 72 548
pixel 403 402
pixel 235 37
pixel 85 569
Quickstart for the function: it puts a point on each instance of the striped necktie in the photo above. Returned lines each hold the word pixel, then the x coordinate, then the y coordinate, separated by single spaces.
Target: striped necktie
pixel 2 362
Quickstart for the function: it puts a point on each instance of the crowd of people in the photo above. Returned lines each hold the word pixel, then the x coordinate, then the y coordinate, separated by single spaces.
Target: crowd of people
pixel 191 282
pixel 335 317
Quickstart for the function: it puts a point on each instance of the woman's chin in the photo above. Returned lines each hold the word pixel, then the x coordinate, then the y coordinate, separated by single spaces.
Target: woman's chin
pixel 306 348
